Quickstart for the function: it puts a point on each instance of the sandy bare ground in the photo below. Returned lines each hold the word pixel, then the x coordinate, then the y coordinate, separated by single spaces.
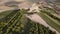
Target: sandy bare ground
pixel 5 8
pixel 24 4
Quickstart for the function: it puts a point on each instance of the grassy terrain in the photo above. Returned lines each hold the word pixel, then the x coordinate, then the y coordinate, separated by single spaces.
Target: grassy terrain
pixel 51 13
pixel 50 16
pixel 3 14
pixel 49 21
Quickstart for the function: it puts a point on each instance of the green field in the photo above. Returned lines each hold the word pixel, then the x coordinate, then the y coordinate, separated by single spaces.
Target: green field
pixel 51 18
pixel 49 21
pixel 5 13
pixel 16 23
